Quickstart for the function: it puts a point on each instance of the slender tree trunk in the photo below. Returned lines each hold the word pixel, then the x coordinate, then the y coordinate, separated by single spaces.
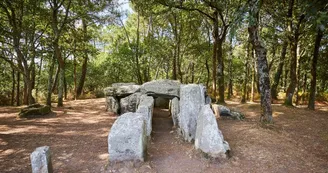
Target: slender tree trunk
pixel 304 87
pixel 13 88
pixel 51 71
pixel 311 104
pixel 243 97
pixel 252 87
pixel 39 80
pixel 18 90
pixel 214 57
pixel 262 64
pixel 230 71
pixel 75 91
pixel 85 60
pixel 25 97
pixel 293 63
pixel 65 88
pixel 277 75
pixel 55 80
pixel 221 69
pixel 137 51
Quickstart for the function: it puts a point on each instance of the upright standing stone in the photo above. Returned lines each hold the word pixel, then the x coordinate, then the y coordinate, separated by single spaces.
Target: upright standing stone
pixel 129 103
pixel 192 98
pixel 41 160
pixel 112 104
pixel 127 138
pixel 175 109
pixel 146 106
pixel 209 138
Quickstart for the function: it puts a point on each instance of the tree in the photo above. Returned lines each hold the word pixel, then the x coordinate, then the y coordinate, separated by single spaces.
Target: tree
pixel 262 65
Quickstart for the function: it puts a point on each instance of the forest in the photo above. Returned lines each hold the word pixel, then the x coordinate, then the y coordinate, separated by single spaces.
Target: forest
pixel 262 61
pixel 266 50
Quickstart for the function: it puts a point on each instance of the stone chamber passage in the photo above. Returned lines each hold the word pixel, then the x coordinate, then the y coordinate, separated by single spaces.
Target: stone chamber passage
pixel 160 121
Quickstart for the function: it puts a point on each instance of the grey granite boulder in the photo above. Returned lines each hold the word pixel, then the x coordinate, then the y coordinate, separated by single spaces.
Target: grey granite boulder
pixel 209 138
pixel 121 90
pixel 112 104
pixel 127 138
pixel 221 110
pixel 161 88
pixel 122 84
pixel 41 160
pixel 175 109
pixel 129 103
pixel 145 107
pixel 192 99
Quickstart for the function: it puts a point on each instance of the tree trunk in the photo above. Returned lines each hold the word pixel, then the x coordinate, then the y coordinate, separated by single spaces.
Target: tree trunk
pixel 18 90
pixel 85 61
pixel 137 51
pixel 51 71
pixel 214 57
pixel 277 75
pixel 243 97
pixel 221 67
pixel 262 64
pixel 74 75
pixel 293 63
pixel 25 97
pixel 39 80
pixel 230 71
pixel 13 88
pixel 65 88
pixel 55 80
pixel 304 87
pixel 311 104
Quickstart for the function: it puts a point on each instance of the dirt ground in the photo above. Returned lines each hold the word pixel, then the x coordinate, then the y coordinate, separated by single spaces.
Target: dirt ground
pixel 77 135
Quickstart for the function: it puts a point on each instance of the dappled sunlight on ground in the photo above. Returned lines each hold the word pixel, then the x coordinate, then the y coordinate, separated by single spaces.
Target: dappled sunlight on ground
pixel 77 136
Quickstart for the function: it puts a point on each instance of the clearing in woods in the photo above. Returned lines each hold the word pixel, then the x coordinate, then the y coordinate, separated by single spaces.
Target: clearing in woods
pixel 77 135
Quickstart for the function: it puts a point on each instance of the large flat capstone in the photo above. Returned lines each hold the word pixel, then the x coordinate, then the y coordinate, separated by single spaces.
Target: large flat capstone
pixel 41 160
pixel 121 90
pixel 161 88
pixel 127 138
pixel 192 98
pixel 209 138
pixel 146 106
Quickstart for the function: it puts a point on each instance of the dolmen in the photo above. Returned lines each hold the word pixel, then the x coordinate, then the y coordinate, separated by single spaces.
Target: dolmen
pixel 189 107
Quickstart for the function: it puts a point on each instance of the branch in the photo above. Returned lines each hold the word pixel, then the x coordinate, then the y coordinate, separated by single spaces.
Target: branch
pixel 185 8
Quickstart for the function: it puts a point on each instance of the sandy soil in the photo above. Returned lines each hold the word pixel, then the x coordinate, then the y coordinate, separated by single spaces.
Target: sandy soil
pixel 77 136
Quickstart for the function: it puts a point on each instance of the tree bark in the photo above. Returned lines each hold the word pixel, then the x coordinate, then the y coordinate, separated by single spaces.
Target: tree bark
pixel 13 87
pixel 311 104
pixel 85 60
pixel 137 50
pixel 230 72
pixel 18 90
pixel 215 45
pixel 243 97
pixel 278 73
pixel 293 63
pixel 51 71
pixel 55 80
pixel 262 64
pixel 220 67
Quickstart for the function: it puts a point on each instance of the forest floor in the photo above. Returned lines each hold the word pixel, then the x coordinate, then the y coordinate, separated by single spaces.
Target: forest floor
pixel 77 135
